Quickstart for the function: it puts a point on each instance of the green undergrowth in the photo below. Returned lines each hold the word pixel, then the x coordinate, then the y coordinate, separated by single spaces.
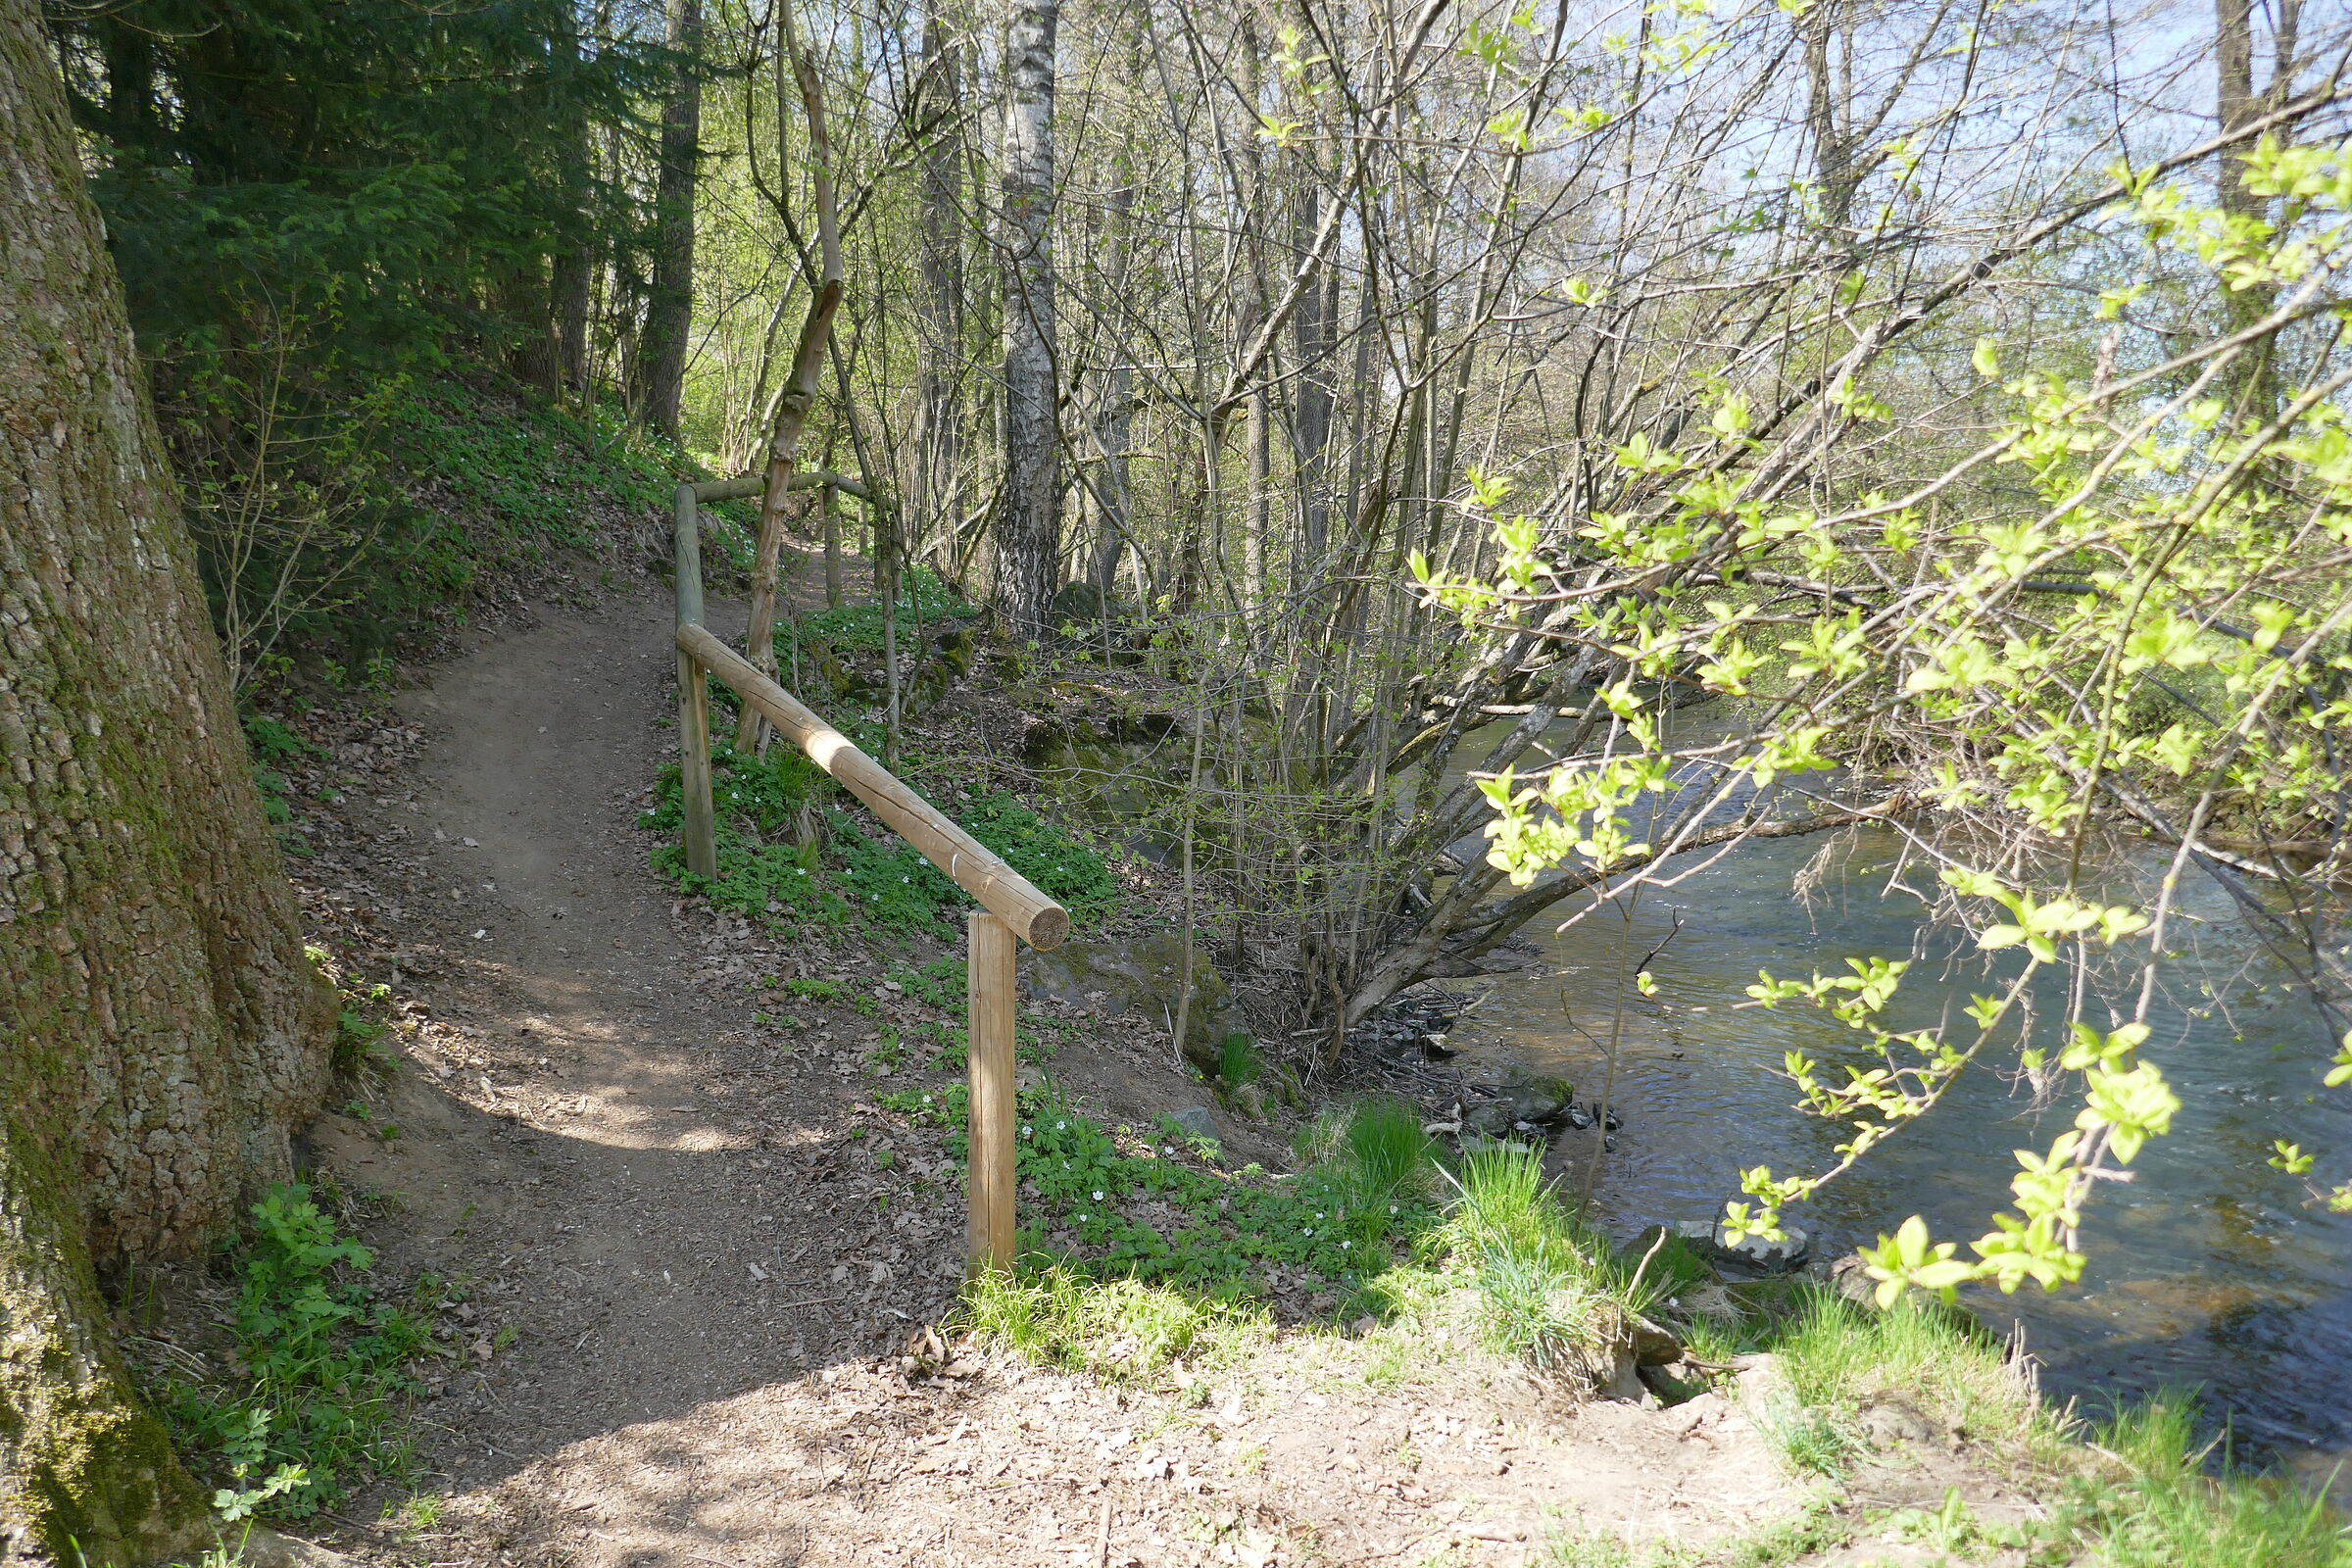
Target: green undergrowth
pixel 1137 1250
pixel 789 852
pixel 362 1017
pixel 273 747
pixel 314 1396
pixel 523 467
pixel 374 516
pixel 926 599
pixel 941 1044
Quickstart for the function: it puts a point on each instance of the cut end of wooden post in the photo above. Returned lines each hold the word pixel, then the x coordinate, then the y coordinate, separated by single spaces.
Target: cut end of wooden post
pixel 1049 927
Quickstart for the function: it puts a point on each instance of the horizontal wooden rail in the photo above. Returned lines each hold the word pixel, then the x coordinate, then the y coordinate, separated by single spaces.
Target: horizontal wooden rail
pixel 1010 907
pixel 752 484
pixel 971 865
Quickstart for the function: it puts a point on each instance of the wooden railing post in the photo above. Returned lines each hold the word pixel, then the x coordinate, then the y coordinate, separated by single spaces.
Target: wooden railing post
pixel 700 839
pixel 1014 910
pixel 990 1181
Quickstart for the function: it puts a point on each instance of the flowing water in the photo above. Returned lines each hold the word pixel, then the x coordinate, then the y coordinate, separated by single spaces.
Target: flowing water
pixel 2209 1269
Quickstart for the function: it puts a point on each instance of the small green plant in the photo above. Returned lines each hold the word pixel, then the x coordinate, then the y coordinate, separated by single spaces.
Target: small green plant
pixel 1952 1527
pixel 940 983
pixel 273 746
pixel 1237 1060
pixel 277 804
pixel 928 1108
pixel 237 1502
pixel 324 1362
pixel 420 1513
pixel 362 1017
pixel 1178 1135
pixel 1811 1442
pixel 273 742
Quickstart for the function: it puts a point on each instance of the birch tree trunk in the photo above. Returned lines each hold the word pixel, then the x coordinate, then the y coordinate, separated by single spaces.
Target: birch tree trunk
pixel 669 306
pixel 163 1026
pixel 1028 526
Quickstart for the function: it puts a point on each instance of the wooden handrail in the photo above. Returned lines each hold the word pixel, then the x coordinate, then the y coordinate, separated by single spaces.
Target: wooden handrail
pixel 1010 907
pixel 970 865
pixel 752 484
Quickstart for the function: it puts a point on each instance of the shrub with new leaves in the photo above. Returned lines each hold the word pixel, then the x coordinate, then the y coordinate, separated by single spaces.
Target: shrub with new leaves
pixel 2124 611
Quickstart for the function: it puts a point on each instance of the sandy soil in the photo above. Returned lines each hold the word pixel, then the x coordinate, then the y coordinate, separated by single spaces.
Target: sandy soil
pixel 693 1278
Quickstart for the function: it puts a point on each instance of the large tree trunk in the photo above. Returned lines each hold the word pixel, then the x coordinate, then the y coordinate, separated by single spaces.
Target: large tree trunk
pixel 1028 528
pixel 162 1023
pixel 670 308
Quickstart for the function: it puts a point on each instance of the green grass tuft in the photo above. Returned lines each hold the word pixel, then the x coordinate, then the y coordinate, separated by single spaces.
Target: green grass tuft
pixel 1119 1328
pixel 2173 1508
pixel 1387 1151
pixel 1237 1060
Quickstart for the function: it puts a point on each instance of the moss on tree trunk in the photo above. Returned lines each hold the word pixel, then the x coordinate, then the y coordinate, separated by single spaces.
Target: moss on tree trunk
pixel 159 1025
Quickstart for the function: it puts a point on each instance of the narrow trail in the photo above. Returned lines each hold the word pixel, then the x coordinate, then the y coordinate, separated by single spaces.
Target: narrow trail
pixel 693 1248
pixel 617 1156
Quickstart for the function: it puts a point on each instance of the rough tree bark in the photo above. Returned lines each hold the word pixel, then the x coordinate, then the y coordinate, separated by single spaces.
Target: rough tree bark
pixel 669 306
pixel 1028 527
pixel 158 1024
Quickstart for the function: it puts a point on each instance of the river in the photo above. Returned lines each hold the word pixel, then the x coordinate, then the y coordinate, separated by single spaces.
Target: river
pixel 2209 1270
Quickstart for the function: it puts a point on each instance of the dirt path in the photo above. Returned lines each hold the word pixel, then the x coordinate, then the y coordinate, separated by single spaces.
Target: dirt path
pixel 616 1154
pixel 693 1247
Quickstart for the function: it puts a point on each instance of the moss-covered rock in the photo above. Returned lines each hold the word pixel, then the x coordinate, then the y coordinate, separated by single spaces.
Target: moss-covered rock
pixel 1145 975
